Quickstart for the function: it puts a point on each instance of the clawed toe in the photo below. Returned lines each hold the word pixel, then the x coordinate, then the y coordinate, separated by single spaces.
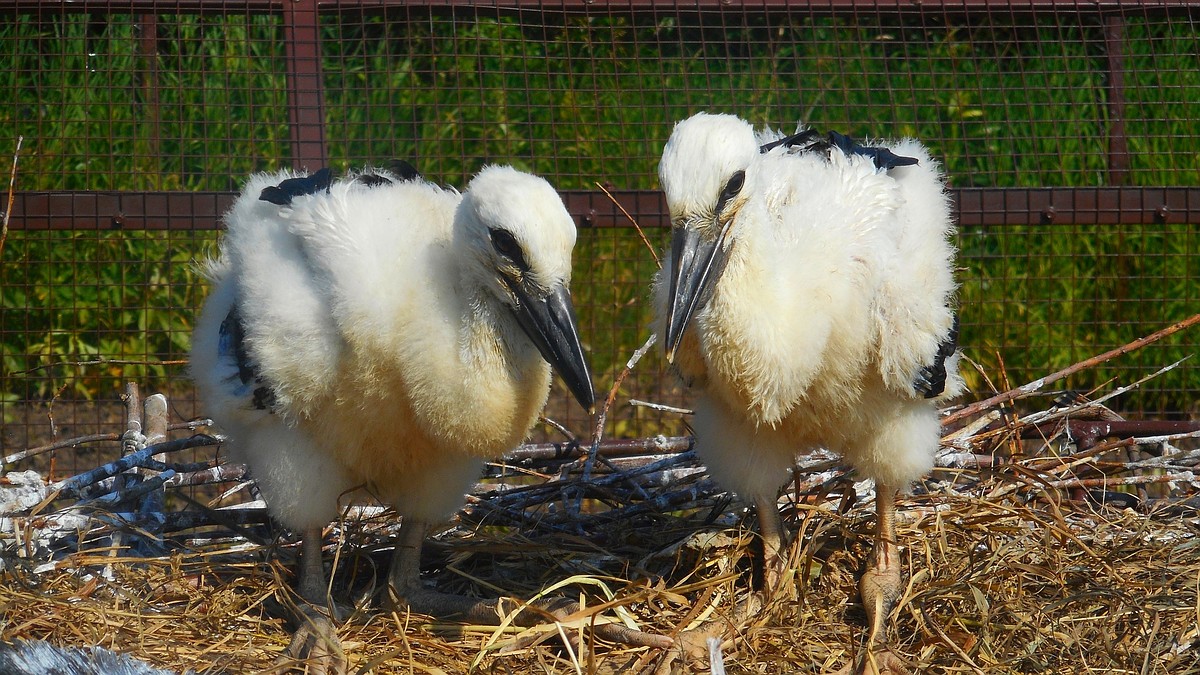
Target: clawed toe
pixel 315 648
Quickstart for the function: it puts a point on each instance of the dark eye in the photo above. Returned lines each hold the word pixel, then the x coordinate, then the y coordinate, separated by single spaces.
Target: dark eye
pixel 506 245
pixel 731 189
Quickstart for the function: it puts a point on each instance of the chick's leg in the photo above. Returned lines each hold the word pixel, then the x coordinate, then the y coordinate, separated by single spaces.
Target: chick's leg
pixel 694 643
pixel 880 586
pixel 770 526
pixel 404 577
pixel 312 574
pixel 315 648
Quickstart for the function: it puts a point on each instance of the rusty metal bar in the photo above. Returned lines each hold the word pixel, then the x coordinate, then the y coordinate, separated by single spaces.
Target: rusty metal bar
pixel 119 210
pixel 1077 206
pixel 1118 142
pixel 147 30
pixel 953 7
pixel 973 207
pixel 305 90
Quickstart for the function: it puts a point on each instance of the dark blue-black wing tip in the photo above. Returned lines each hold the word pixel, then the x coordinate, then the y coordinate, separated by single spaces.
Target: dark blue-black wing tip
pixel 232 330
pixel 883 158
pixel 403 170
pixel 290 188
pixel 806 136
pixel 810 140
pixel 930 380
pixel 398 169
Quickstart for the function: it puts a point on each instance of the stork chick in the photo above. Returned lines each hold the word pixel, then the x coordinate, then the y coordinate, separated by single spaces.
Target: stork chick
pixel 807 300
pixel 380 331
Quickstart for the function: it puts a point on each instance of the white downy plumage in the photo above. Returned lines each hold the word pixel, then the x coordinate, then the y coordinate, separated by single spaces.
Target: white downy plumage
pixel 808 299
pixel 380 331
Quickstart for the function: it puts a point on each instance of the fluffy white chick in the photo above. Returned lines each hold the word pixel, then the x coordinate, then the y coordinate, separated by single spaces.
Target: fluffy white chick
pixel 380 331
pixel 808 300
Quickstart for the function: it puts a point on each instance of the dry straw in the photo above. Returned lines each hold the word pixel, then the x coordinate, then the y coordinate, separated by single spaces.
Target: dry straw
pixel 1039 544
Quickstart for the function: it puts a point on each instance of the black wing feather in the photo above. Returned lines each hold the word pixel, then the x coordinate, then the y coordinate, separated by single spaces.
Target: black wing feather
pixel 232 339
pixel 930 381
pixel 398 168
pixel 811 141
pixel 289 189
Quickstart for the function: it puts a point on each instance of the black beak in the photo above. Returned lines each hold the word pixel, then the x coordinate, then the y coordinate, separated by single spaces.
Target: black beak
pixel 550 322
pixel 695 266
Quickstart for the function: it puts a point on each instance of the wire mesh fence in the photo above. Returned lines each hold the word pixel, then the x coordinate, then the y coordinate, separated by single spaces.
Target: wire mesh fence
pixel 1065 129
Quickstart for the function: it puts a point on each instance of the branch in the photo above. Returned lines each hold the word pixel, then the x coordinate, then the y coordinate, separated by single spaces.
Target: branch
pixel 1038 384
pixel 12 183
pixel 636 226
pixel 103 362
pixel 602 418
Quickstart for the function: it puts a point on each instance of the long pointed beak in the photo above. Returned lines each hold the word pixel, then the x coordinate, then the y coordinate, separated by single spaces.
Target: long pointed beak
pixel 695 266
pixel 550 322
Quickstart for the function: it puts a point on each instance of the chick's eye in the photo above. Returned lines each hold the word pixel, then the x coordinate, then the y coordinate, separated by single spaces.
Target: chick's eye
pixel 731 189
pixel 734 186
pixel 506 245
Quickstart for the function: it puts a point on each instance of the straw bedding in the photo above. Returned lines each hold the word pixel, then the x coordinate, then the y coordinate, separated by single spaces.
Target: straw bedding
pixel 1024 551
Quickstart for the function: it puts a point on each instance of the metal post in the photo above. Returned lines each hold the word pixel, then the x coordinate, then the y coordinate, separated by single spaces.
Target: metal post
pixel 1118 142
pixel 151 114
pixel 306 100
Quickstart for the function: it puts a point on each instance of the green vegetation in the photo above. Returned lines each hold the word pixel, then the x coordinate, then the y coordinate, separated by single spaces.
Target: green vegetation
pixel 587 100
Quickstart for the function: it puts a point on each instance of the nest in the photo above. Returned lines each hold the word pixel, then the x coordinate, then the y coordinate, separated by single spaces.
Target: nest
pixel 1052 537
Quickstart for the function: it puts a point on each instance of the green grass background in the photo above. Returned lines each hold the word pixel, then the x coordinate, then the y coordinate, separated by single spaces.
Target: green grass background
pixel 103 104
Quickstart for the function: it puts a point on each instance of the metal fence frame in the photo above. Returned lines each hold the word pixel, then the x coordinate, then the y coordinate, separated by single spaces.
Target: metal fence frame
pixel 1114 203
pixel 306 113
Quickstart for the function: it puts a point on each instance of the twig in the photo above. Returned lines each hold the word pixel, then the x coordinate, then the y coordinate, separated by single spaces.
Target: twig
pixel 133 439
pixel 58 445
pixel 635 224
pixel 1031 387
pixel 190 425
pixel 602 418
pixel 1045 416
pixel 541 454
pixel 130 493
pixel 12 183
pixel 103 362
pixel 73 484
pixel 221 473
pixel 1121 481
pixel 567 434
pixel 659 407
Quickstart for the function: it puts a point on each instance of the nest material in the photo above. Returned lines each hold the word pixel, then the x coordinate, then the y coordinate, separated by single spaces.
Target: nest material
pixel 1024 552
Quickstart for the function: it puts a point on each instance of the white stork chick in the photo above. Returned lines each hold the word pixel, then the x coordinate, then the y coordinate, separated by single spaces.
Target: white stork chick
pixel 382 331
pixel 807 299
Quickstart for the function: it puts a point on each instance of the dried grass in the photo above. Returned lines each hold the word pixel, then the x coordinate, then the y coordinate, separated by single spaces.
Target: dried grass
pixel 1013 564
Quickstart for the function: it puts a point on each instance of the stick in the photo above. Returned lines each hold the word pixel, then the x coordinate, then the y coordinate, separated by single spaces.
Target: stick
pixel 1026 389
pixel 635 224
pixel 602 418
pixel 660 407
pixel 12 182
pixel 103 362
pixel 544 453
pixel 77 482
pixel 1109 482
pixel 133 439
pixel 222 473
pixel 191 425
